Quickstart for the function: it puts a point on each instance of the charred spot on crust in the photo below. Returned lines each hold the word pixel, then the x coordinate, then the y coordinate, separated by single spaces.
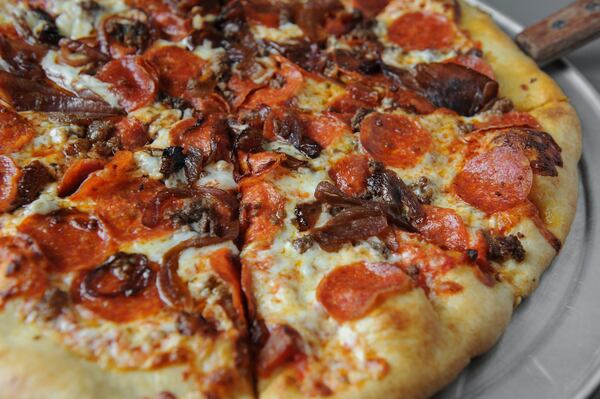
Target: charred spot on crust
pixel 503 248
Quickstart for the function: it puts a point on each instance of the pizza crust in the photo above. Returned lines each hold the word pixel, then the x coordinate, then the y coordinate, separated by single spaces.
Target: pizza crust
pixel 35 365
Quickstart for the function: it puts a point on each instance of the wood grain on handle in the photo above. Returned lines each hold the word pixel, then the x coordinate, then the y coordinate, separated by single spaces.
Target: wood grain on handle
pixel 562 32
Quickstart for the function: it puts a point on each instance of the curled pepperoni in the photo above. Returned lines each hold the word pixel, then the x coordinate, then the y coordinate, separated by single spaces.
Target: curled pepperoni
pixel 324 128
pixel 370 8
pixel 350 174
pixel 282 89
pixel 71 240
pixel 173 26
pixel 350 292
pixel 263 12
pixel 23 268
pixel 121 198
pixel 121 289
pixel 222 263
pixel 443 227
pixel 509 119
pixel 241 89
pixel 10 174
pixel 132 133
pixel 15 131
pixel 176 68
pixel 209 135
pixel 496 180
pixel 422 31
pixel 262 211
pixel 131 80
pixel 76 173
pixel 395 140
pixel 475 63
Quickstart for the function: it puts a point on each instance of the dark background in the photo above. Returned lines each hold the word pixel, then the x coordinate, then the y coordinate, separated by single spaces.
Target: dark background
pixel 586 59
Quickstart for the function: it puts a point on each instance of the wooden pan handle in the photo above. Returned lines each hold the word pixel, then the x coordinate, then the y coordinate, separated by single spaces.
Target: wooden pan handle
pixel 562 32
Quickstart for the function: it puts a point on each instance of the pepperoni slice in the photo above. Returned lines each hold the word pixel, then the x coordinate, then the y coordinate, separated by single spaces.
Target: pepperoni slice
pixel 176 68
pixel 263 12
pixel 350 292
pixel 122 289
pixel 71 240
pixel 262 210
pixel 324 128
pixel 370 8
pixel 10 174
pixel 509 119
pixel 221 262
pixel 133 83
pixel 132 133
pixel 23 268
pixel 350 174
pixel 422 31
pixel 281 347
pixel 76 174
pixel 241 89
pixel 15 131
pixel 172 25
pixel 475 63
pixel 444 227
pixel 496 180
pixel 357 96
pixel 395 140
pixel 293 80
pixel 209 136
pixel 121 198
pixel 262 162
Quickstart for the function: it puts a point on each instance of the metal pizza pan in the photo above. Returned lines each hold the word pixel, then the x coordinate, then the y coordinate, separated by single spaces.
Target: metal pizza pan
pixel 551 348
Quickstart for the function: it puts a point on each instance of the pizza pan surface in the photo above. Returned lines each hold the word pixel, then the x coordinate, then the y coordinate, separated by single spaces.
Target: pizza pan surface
pixel 551 348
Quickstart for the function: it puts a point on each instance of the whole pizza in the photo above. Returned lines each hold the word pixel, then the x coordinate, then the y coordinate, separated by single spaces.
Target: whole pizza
pixel 268 199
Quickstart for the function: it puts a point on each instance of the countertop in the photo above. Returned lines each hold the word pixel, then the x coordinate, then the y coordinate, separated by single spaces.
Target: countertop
pixel 586 59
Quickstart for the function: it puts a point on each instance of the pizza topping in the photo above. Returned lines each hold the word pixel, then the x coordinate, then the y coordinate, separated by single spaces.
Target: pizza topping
pixel 132 134
pixel 282 347
pixel 287 83
pixel 190 324
pixel 455 87
pixel 76 174
pixel 15 131
pixel 321 18
pixel 424 190
pixel 265 12
pixel 177 68
pixel 131 80
pixel 209 211
pixel 262 210
pixel 172 160
pixel 23 268
pixel 121 289
pixel 475 63
pixel 543 152
pixel 507 120
pixel 350 292
pixel 288 126
pixel 71 240
pixel 495 180
pixel 370 8
pixel 76 53
pixel 350 225
pixel 22 58
pixel 130 274
pixel 422 31
pixel 28 95
pixel 394 140
pixel 209 135
pixel 34 177
pixel 501 248
pixel 10 175
pixel 121 36
pixel 51 304
pixel 307 215
pixel 444 227
pixel 350 174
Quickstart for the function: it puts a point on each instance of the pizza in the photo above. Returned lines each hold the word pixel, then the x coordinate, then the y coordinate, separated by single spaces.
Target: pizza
pixel 268 199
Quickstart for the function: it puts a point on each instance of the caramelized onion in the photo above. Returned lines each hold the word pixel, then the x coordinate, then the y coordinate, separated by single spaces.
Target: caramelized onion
pixel 76 53
pixel 28 95
pixel 131 270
